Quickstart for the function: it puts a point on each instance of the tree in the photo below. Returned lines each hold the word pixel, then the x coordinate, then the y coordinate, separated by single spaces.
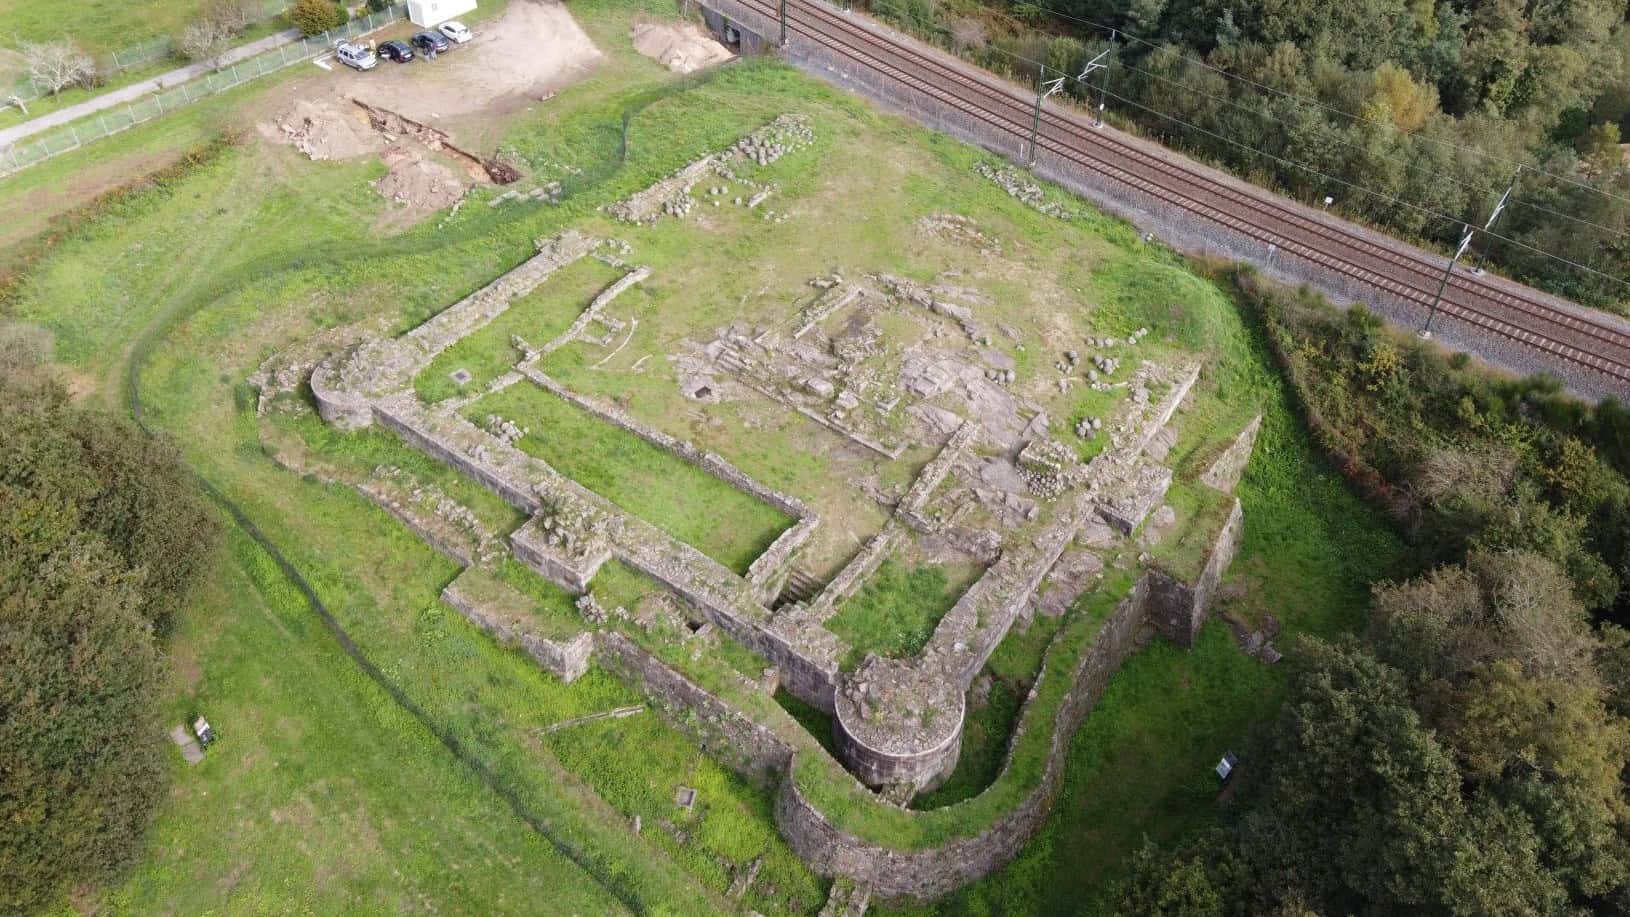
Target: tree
pixel 1599 146
pixel 1362 804
pixel 314 17
pixel 234 15
pixel 204 39
pixel 1446 625
pixel 102 537
pixel 57 65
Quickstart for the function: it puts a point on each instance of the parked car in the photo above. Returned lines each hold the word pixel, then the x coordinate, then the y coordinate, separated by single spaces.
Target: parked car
pixel 396 50
pixel 431 42
pixel 455 32
pixel 355 56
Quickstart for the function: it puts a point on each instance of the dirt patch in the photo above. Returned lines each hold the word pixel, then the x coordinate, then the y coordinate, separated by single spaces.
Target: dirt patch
pixel 417 181
pixel 682 47
pixel 409 114
pixel 325 129
pixel 534 49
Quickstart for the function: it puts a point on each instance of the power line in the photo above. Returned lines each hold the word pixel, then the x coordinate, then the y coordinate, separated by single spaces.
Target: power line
pixel 1330 108
pixel 1343 182
pixel 1413 167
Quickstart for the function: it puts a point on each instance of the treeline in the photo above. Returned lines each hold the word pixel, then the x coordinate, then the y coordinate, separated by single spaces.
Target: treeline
pixel 1467 754
pixel 1426 106
pixel 103 535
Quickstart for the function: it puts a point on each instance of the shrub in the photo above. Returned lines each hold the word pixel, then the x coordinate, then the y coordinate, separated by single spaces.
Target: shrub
pixel 102 536
pixel 314 17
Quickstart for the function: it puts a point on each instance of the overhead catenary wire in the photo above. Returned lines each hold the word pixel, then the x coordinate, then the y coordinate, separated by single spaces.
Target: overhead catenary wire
pixel 1392 199
pixel 1413 167
pixel 1511 163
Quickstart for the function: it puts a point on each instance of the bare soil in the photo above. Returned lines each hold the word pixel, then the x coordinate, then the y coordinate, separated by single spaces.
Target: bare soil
pixel 525 55
pixel 682 47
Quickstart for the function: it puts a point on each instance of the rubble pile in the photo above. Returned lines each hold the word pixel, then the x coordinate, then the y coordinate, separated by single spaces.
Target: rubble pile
pixel 1016 185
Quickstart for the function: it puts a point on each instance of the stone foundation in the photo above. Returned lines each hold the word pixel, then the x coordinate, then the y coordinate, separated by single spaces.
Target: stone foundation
pixel 936 871
pixel 1177 609
pixel 568 659
pixel 747 747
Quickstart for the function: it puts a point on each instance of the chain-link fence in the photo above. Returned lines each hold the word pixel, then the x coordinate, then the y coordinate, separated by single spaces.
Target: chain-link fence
pixel 136 55
pixel 113 120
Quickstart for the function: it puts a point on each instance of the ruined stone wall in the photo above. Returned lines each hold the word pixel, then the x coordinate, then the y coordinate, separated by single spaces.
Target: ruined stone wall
pixel 937 871
pixel 567 659
pixel 1178 227
pixel 768 569
pixel 710 462
pixel 745 746
pixel 448 453
pixel 571 573
pixel 1177 609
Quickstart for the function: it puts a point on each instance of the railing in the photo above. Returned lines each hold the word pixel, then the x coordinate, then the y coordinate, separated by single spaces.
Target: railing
pixel 72 136
pixel 135 55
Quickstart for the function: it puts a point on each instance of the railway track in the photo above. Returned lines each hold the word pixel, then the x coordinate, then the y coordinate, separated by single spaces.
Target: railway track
pixel 1499 308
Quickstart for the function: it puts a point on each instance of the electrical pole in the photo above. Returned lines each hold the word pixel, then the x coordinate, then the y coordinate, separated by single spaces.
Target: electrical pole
pixel 783 23
pixel 1465 241
pixel 1044 88
pixel 1101 62
pixel 1499 208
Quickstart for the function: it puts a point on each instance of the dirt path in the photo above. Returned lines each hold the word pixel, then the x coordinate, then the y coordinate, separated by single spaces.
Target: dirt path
pixel 134 91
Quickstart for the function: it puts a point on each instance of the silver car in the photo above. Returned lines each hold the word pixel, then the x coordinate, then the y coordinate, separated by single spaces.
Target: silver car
pixel 355 56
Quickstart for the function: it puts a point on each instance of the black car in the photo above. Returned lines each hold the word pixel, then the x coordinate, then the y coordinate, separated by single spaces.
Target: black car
pixel 431 42
pixel 395 50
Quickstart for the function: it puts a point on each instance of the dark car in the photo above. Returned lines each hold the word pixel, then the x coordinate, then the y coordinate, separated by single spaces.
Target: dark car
pixel 431 42
pixel 395 50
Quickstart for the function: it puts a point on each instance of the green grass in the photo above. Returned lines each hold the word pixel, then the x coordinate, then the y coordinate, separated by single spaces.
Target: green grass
pixel 896 610
pixel 101 26
pixel 537 318
pixel 320 790
pixel 289 252
pixel 1201 514
pixel 988 729
pixel 727 524
pixel 731 825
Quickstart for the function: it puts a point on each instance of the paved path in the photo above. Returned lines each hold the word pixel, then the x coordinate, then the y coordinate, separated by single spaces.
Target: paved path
pixel 134 91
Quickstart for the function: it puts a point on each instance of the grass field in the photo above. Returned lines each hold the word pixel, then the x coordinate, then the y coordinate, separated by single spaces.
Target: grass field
pixel 100 26
pixel 729 525
pixel 319 783
pixel 897 609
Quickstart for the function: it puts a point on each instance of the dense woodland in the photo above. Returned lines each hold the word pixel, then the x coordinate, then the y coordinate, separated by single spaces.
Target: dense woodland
pixel 102 536
pixel 1412 114
pixel 1468 753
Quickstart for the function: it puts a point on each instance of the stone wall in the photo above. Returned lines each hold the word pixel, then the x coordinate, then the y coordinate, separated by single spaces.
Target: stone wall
pixel 427 442
pixel 708 461
pixel 1177 609
pixel 932 872
pixel 568 572
pixel 567 659
pixel 1224 473
pixel 768 571
pixel 747 747
pixel 1177 226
